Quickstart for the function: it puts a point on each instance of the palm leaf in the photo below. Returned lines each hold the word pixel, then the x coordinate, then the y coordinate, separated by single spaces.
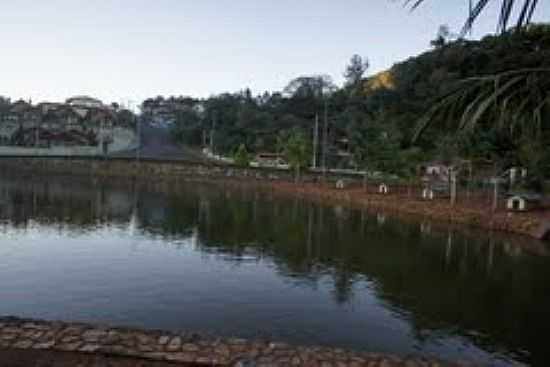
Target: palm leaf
pixel 526 12
pixel 518 97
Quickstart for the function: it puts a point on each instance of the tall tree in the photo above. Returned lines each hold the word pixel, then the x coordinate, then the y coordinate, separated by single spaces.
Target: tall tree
pixel 442 37
pixel 310 87
pixel 5 106
pixel 356 70
pixel 296 149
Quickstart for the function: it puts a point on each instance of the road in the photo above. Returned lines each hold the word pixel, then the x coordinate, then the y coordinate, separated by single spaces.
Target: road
pixel 157 143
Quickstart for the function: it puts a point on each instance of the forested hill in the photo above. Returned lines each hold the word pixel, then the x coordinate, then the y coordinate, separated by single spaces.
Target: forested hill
pixel 374 116
pixel 406 91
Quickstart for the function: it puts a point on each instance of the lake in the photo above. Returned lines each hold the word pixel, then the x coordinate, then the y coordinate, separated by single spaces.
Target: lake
pixel 233 262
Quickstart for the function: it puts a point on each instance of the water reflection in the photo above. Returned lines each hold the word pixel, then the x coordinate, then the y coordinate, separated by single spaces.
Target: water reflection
pixel 251 263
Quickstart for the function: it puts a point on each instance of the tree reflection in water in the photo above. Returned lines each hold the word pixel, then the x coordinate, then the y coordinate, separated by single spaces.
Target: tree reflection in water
pixel 486 287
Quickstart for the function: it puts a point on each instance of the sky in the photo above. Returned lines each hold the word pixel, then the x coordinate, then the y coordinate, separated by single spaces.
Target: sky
pixel 126 51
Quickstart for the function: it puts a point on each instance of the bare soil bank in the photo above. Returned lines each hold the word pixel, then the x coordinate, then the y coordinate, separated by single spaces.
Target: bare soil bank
pixel 480 215
pixel 472 210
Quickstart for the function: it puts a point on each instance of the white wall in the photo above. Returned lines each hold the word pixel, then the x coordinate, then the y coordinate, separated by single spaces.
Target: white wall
pixel 123 139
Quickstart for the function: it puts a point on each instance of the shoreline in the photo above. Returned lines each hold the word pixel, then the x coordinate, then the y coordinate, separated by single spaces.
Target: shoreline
pixel 26 335
pixel 467 211
pixel 525 224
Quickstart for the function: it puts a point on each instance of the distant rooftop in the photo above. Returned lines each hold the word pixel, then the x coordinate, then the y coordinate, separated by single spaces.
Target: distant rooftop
pixel 84 101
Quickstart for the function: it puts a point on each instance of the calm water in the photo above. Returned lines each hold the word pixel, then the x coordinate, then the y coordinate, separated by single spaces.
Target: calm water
pixel 250 264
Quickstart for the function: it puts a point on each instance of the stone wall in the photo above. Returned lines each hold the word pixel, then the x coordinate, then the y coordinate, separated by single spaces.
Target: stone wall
pixel 184 348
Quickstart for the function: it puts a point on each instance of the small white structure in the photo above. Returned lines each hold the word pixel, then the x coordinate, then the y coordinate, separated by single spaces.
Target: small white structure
pixel 521 202
pixel 435 170
pixel 340 184
pixel 383 189
pixel 273 160
pixel 428 194
pixel 84 101
pixel 517 172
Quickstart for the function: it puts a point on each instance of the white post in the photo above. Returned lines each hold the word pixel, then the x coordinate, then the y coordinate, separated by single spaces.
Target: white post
pixel 453 187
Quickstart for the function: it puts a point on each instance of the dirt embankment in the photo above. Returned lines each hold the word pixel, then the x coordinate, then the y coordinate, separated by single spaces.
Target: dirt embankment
pixel 471 209
pixel 476 211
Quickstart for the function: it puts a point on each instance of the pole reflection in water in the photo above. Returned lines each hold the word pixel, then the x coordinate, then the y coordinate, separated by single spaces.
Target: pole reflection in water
pixel 234 262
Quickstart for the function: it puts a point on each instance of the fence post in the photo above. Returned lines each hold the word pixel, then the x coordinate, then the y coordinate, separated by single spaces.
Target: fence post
pixel 453 187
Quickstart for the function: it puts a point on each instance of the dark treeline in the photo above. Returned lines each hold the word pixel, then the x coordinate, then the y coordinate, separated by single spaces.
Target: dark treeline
pixel 374 118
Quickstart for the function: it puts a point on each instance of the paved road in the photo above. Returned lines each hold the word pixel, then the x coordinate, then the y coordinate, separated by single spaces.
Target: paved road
pixel 157 143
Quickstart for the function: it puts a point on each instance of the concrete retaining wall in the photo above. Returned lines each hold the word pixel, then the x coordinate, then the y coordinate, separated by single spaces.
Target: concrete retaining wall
pixel 123 140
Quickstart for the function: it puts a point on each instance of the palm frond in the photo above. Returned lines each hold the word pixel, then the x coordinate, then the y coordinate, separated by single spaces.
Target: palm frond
pixel 526 10
pixel 513 101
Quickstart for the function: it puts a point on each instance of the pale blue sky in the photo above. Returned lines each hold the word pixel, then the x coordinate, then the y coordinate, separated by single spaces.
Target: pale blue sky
pixel 121 50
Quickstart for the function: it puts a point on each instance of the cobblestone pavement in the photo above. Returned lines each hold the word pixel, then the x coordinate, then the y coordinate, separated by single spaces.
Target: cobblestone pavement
pixel 103 344
pixel 45 358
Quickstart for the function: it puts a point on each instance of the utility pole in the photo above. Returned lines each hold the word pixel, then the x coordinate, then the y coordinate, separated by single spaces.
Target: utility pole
pixel 315 141
pixel 496 181
pixel 325 139
pixel 37 133
pixel 212 133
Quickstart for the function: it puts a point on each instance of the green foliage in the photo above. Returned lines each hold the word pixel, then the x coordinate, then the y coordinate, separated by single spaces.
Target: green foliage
pixel 376 146
pixel 126 118
pixel 5 105
pixel 534 156
pixel 442 38
pixel 409 160
pixel 517 101
pixel 310 87
pixel 356 70
pixel 295 148
pixel 241 157
pixel 478 109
